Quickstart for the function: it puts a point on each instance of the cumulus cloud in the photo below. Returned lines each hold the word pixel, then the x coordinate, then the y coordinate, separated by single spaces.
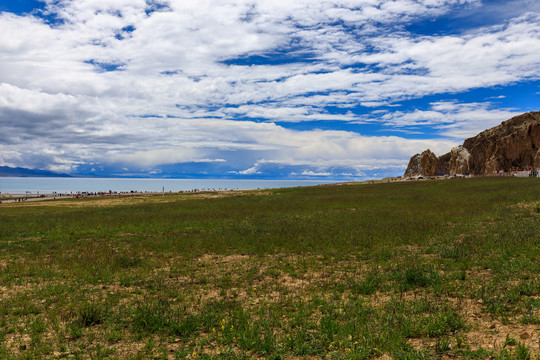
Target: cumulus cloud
pixel 451 118
pixel 160 157
pixel 312 173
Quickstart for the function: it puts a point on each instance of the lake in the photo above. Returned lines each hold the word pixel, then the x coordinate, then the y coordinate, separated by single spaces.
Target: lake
pixel 48 185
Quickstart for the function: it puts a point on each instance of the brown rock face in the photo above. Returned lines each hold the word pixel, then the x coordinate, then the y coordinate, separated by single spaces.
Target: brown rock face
pixel 428 163
pixel 515 144
pixel 414 167
pixel 422 164
pixel 442 165
pixel 459 161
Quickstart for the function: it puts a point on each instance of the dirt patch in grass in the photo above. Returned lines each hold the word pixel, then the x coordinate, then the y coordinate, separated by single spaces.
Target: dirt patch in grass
pixel 234 259
pixel 27 288
pixel 526 205
pixel 491 334
pixel 480 274
pixel 422 343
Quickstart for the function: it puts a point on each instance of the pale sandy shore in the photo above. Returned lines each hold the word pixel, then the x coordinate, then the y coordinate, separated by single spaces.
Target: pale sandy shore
pixel 11 198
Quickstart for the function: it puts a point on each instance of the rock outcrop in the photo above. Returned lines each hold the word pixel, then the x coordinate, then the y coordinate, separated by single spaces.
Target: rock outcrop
pixel 422 164
pixel 515 144
pixel 442 165
pixel 414 167
pixel 459 161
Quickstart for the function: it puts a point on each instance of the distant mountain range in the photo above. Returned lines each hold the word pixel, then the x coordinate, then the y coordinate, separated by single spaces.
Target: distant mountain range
pixel 6 171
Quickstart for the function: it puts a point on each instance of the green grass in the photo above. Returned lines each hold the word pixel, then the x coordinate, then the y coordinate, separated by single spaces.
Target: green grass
pixel 409 270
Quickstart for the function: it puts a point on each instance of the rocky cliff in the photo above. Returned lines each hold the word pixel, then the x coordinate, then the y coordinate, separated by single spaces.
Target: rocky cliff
pixel 422 164
pixel 442 165
pixel 459 162
pixel 514 144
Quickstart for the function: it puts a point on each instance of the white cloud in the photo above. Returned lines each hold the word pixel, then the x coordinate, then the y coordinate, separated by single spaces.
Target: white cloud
pixel 151 158
pixel 176 88
pixel 252 170
pixel 453 119
pixel 312 173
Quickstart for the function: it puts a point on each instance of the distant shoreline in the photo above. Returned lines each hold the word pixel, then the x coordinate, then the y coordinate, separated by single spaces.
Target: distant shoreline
pixel 9 198
pixel 27 187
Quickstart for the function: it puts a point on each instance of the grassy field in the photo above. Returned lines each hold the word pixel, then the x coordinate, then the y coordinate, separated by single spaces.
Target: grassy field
pixel 408 270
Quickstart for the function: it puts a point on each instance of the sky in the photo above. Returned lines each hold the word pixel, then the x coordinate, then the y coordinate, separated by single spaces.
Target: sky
pixel 266 89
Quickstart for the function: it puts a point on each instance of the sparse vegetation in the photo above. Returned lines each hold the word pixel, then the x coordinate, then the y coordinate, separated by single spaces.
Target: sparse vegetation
pixel 402 270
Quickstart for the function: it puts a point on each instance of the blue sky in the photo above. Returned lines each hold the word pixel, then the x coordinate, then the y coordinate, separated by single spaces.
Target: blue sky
pixel 335 89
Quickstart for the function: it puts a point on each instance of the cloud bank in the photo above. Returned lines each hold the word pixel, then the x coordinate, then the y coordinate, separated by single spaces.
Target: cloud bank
pixel 334 89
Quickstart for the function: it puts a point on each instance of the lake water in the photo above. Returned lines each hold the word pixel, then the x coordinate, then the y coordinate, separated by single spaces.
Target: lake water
pixel 48 185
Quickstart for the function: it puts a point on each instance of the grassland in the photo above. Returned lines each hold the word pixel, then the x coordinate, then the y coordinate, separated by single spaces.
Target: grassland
pixel 416 270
